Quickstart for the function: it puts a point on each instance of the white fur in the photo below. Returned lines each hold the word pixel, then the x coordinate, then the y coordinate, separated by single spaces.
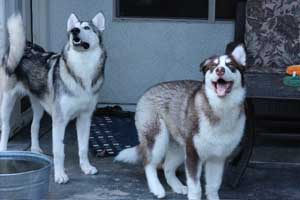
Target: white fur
pixel 129 155
pixel 216 142
pixel 16 36
pixel 174 158
pixel 214 168
pixel 239 53
pixel 194 186
pixel 7 104
pixel 72 22
pixel 85 35
pixel 83 124
pixel 38 112
pixel 99 21
pixel 89 59
pixel 84 64
pixel 158 153
pixel 213 142
pixel 58 134
pixel 81 107
pixel 231 100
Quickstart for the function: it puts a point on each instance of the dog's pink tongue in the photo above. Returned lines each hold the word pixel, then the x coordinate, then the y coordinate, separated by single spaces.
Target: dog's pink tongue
pixel 221 89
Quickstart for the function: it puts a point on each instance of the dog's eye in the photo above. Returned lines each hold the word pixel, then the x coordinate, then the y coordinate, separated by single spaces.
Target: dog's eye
pixel 86 28
pixel 232 68
pixel 230 65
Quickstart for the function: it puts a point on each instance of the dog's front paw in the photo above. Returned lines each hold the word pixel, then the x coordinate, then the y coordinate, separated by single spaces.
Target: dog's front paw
pixel 194 196
pixel 88 169
pixel 180 189
pixel 61 178
pixel 159 192
pixel 2 148
pixel 213 196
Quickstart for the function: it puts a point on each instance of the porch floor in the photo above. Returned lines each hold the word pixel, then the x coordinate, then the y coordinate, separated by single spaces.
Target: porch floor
pixel 117 181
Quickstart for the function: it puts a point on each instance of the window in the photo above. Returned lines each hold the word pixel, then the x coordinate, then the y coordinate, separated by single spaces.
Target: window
pixel 197 9
pixel 177 9
pixel 225 9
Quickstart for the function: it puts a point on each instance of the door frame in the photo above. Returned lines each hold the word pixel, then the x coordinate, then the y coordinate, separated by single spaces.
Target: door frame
pixel 40 22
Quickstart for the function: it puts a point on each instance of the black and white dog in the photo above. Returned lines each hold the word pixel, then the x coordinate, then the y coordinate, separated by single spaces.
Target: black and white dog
pixel 192 122
pixel 65 85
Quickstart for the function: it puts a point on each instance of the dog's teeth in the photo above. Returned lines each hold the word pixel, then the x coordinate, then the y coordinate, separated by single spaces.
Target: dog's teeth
pixel 77 42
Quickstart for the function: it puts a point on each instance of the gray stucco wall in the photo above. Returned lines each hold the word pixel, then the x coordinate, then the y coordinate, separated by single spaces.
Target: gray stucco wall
pixel 142 53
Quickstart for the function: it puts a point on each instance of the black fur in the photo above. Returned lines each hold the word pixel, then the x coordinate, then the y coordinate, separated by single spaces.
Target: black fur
pixel 33 69
pixel 103 58
pixel 207 64
pixel 58 83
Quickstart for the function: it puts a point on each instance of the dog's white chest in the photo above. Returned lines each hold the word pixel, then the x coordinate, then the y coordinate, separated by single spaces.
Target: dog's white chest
pixel 219 140
pixel 74 105
pixel 85 64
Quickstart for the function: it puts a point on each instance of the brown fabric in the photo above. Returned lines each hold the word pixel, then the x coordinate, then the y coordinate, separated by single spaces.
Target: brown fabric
pixel 272 35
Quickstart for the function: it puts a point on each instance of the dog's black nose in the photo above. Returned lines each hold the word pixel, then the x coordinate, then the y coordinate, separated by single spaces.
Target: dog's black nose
pixel 220 71
pixel 75 31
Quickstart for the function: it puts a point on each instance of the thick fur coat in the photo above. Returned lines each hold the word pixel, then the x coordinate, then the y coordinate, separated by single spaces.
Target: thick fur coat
pixel 66 85
pixel 191 122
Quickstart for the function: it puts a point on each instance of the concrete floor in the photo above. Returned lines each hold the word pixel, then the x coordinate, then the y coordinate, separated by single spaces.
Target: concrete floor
pixel 116 181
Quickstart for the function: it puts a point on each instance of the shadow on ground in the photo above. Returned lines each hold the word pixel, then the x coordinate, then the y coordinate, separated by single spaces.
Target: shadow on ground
pixel 117 181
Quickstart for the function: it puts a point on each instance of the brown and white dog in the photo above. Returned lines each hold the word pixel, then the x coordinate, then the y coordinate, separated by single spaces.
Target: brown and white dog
pixel 187 121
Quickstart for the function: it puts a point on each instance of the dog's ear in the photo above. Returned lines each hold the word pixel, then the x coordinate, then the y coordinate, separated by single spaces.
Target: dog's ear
pixel 204 65
pixel 99 21
pixel 72 22
pixel 239 54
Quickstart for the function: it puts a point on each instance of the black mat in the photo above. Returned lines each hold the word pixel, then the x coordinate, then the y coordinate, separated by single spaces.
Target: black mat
pixel 112 133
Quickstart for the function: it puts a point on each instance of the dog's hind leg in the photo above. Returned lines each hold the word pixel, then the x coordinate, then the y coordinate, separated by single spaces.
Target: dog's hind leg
pixel 174 158
pixel 7 105
pixel 156 156
pixel 38 112
pixel 83 124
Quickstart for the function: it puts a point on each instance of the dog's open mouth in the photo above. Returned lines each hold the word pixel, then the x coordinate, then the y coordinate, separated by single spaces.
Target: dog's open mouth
pixel 222 87
pixel 77 42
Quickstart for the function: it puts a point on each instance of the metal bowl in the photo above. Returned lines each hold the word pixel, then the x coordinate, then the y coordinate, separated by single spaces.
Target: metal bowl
pixel 24 175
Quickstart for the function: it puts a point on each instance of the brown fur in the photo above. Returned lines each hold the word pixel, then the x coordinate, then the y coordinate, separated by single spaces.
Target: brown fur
pixel 208 111
pixel 237 66
pixel 181 125
pixel 182 108
pixel 209 64
pixel 153 130
pixel 192 158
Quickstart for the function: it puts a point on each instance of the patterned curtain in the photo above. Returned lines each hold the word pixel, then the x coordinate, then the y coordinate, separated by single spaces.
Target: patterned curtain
pixel 272 34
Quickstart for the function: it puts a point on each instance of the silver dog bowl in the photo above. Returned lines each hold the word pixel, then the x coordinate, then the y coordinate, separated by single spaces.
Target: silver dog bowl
pixel 24 175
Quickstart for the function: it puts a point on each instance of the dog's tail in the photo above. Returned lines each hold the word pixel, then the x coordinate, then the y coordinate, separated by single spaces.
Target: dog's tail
pixel 130 155
pixel 17 41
